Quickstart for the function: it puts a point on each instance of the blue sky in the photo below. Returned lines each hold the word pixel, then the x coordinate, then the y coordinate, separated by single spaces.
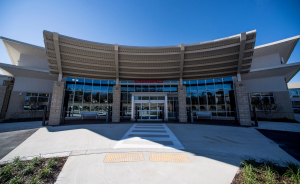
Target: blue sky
pixel 150 23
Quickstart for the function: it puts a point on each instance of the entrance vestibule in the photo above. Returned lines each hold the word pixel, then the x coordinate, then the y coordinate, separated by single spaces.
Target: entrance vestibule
pixel 149 106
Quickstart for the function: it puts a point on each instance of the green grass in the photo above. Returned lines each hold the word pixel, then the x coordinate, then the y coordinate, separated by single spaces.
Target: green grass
pixel 37 170
pixel 267 171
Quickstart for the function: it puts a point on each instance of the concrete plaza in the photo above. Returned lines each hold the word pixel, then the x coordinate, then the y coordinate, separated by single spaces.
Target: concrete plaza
pixel 212 151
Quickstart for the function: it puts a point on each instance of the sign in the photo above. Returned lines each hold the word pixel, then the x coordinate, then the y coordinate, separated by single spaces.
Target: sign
pixel 149 81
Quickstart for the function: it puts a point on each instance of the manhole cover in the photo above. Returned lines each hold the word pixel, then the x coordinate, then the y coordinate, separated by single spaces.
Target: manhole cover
pixel 125 157
pixel 161 157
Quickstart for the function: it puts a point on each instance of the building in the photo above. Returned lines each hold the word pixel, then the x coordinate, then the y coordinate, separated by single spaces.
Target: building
pixel 294 89
pixel 217 76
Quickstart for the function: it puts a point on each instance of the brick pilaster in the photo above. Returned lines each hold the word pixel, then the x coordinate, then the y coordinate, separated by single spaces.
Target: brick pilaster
pixel 182 103
pixel 116 104
pixel 243 104
pixel 56 103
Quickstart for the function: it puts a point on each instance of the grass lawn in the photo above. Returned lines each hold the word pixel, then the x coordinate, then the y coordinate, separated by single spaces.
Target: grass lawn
pixel 37 170
pixel 266 171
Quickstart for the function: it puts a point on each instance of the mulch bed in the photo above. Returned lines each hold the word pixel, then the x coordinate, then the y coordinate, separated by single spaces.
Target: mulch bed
pixel 17 172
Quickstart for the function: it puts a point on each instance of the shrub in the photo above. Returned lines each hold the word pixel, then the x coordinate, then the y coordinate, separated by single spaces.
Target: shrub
pixel 37 160
pixel 34 180
pixel 16 180
pixel 45 173
pixel 293 172
pixel 6 172
pixel 28 169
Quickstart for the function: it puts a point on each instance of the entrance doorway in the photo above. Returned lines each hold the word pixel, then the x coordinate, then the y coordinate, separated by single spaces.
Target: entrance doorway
pixel 150 107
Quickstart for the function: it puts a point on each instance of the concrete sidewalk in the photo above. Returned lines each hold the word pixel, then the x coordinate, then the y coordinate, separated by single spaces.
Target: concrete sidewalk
pixel 212 150
pixel 281 126
pixel 196 139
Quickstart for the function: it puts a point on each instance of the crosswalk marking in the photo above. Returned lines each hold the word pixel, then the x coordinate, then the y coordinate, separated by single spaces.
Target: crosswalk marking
pixel 149 136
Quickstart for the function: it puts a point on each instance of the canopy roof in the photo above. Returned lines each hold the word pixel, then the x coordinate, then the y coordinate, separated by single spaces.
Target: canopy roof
pixel 224 57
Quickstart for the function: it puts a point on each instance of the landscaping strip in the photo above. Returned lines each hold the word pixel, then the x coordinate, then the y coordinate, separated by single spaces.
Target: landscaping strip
pixel 266 171
pixel 37 170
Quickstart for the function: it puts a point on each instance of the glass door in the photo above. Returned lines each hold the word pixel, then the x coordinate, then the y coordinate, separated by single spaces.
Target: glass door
pixel 149 108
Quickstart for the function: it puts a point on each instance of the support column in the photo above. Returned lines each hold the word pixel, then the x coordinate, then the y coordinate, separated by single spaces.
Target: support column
pixel 242 103
pixel 116 103
pixel 182 103
pixel 56 103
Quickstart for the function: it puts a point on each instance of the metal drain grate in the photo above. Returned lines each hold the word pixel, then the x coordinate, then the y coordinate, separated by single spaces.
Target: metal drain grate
pixel 124 157
pixel 161 157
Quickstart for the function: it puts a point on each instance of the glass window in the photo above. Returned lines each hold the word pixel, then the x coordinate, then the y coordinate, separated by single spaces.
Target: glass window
pixel 145 97
pixel 138 88
pixel 161 98
pixel 159 88
pixel 193 88
pixel 123 97
pixel 210 84
pixel 211 101
pixel 110 89
pixel 137 98
pixel 153 97
pixel 79 84
pixel 70 86
pixel 218 84
pixel 123 88
pixel 30 103
pixel 130 88
pixel 95 97
pixel 32 94
pixel 152 88
pixel 166 88
pixel 36 101
pixel 96 85
pixel 202 101
pixel 144 88
pixel 44 94
pixel 262 101
pixel 87 87
pixel 201 85
pixel 174 88
pixel 220 100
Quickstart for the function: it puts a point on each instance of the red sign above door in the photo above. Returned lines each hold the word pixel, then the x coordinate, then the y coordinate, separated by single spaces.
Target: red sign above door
pixel 148 81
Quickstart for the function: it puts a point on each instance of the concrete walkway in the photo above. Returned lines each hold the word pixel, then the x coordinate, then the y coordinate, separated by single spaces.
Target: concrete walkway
pixel 212 151
pixel 282 126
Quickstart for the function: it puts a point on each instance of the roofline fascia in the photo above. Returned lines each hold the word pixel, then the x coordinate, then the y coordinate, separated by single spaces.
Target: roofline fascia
pixel 24 68
pixel 275 67
pixel 23 43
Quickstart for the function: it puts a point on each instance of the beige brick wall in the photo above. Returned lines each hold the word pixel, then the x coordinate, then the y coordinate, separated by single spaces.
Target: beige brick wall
pixel 282 98
pixel 182 104
pixel 56 103
pixel 242 103
pixel 116 104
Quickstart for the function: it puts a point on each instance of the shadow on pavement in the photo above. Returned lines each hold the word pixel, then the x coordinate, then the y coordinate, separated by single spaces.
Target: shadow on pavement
pixel 288 141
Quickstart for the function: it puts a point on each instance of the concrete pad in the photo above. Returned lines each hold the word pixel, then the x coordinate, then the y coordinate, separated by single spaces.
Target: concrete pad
pixel 91 169
pixel 282 126
pixel 69 138
pixel 228 141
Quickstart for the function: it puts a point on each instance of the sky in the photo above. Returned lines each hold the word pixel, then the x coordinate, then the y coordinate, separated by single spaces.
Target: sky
pixel 150 22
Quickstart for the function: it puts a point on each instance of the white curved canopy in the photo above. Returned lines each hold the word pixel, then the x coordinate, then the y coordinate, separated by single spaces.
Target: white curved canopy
pixel 224 57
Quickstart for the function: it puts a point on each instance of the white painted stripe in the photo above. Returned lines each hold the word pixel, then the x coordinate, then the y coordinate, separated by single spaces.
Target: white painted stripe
pixel 140 144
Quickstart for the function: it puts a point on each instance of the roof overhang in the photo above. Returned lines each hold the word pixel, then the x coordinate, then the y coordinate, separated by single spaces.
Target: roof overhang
pixel 18 71
pixel 286 70
pixel 283 47
pixel 16 48
pixel 213 59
